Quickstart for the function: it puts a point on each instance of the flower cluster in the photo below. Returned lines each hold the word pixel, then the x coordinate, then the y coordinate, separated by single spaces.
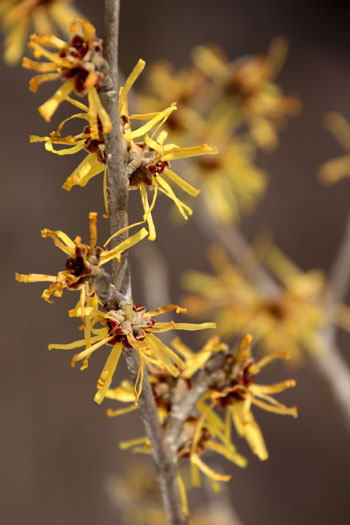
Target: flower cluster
pixel 232 393
pixel 84 263
pixel 146 154
pixel 290 319
pixel 220 100
pixel 336 169
pixel 78 64
pixel 108 317
pixel 18 15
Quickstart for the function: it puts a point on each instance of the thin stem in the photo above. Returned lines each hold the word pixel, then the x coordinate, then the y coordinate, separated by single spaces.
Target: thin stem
pixel 330 362
pixel 335 370
pixel 118 210
pixel 340 273
pixel 181 411
pixel 238 247
pixel 166 462
pixel 117 181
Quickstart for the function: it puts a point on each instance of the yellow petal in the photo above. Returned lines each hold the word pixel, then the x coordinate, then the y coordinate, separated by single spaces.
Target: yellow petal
pixel 35 277
pixel 107 373
pixel 227 452
pixel 47 109
pixel 142 130
pixel 61 240
pixel 42 67
pixel 212 474
pixel 191 151
pixel 115 413
pixel 35 82
pixel 93 229
pixel 64 151
pixel 14 43
pixel 123 94
pixel 74 344
pixel 256 367
pixel 247 427
pixel 184 210
pixel 85 354
pixel 164 309
pixel 147 215
pixel 87 169
pixel 124 445
pixel 123 246
pixel 184 185
pixel 172 325
pixel 279 409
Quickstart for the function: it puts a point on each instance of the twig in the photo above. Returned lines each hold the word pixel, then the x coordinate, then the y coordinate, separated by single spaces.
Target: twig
pixel 238 247
pixel 336 371
pixel 330 362
pixel 181 411
pixel 340 273
pixel 118 210
pixel 166 462
pixel 117 181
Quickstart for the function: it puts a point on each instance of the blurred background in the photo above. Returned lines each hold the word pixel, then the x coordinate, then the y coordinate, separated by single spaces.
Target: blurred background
pixel 59 452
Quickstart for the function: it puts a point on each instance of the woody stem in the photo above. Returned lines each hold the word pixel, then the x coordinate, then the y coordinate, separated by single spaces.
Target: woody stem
pixel 118 188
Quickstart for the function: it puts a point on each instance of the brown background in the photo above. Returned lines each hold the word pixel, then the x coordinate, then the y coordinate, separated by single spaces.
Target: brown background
pixel 58 449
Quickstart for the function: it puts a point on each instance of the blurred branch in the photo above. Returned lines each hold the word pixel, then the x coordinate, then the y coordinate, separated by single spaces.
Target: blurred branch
pixel 340 273
pixel 335 370
pixel 238 247
pixel 182 410
pixel 118 190
pixel 330 362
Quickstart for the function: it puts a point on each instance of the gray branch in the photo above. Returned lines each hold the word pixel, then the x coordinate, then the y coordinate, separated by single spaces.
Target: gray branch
pixel 238 247
pixel 166 462
pixel 181 411
pixel 331 363
pixel 117 181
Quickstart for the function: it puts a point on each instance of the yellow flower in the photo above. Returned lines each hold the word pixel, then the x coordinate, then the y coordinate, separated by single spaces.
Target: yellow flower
pixel 236 392
pixel 130 326
pixel 147 156
pixel 83 265
pixel 188 87
pixel 230 182
pixel 248 84
pixel 18 15
pixel 291 319
pixel 78 64
pixel 336 169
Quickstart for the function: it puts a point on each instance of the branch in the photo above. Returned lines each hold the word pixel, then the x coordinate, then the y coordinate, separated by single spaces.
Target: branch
pixel 180 412
pixel 117 181
pixel 330 362
pixel 335 370
pixel 238 247
pixel 118 189
pixel 166 462
pixel 340 273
